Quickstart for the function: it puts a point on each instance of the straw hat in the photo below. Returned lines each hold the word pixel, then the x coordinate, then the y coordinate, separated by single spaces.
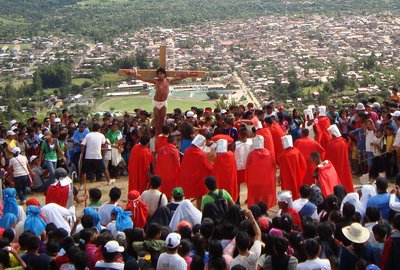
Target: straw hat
pixel 356 233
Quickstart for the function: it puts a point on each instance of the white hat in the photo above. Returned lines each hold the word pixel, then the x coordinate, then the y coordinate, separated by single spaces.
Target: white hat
pixel 222 146
pixel 322 110
pixel 376 105
pixel 286 196
pixel 360 107
pixel 223 111
pixel 287 141
pixel 258 142
pixel 356 233
pixel 334 130
pixel 13 128
pixel 189 114
pixel 309 113
pixel 10 133
pixel 13 122
pixel 32 158
pixel 173 240
pixel 57 120
pixel 113 246
pixel 16 150
pixel 199 140
pixel 395 114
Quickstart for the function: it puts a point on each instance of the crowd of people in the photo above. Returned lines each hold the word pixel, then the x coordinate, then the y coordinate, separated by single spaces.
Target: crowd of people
pixel 187 205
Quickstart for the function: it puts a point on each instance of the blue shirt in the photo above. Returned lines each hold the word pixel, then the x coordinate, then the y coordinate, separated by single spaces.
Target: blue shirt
pixel 361 138
pixel 78 137
pixel 382 202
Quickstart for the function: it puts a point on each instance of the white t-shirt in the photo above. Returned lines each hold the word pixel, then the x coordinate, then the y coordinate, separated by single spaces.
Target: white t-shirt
pixel 19 165
pixel 171 262
pixel 368 139
pixel 93 142
pixel 105 213
pixel 316 264
pixel 151 197
pixel 100 265
pixel 249 262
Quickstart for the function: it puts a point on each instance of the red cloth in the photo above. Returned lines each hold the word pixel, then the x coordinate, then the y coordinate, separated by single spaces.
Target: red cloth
pixel 292 167
pixel 324 136
pixel 224 171
pixel 138 208
pixel 268 141
pixel 337 153
pixel 160 142
pixel 261 177
pixel 223 137
pixel 306 146
pixel 327 178
pixel 57 194
pixel 294 214
pixel 195 168
pixel 167 167
pixel 139 162
pixel 277 133
pixel 241 176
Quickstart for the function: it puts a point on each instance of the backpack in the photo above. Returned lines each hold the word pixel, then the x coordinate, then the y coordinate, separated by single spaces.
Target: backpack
pixel 154 254
pixel 219 200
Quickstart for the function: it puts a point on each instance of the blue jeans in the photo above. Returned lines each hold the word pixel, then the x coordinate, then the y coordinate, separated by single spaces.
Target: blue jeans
pixel 20 183
pixel 51 166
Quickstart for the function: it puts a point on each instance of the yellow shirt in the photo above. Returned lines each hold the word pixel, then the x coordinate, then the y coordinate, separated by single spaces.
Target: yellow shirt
pixel 10 145
pixel 389 143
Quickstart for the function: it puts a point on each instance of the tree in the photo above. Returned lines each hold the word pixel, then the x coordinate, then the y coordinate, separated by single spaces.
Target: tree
pixel 328 88
pixel 212 95
pixel 37 82
pixel 370 63
pixel 293 83
pixel 54 75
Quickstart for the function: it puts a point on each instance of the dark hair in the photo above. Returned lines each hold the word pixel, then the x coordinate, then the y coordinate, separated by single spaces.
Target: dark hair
pixel 309 229
pixel 396 221
pixel 32 243
pixel 242 240
pixel 199 244
pixel 331 203
pixel 211 183
pixel 96 127
pixel 325 232
pixel 144 140
pixel 197 263
pixel 153 230
pixel 280 245
pixel 348 210
pixel 305 191
pixel 53 247
pixel 207 228
pixel 216 261
pixel 381 184
pixel 312 247
pixel 24 239
pixel 238 267
pixel 86 236
pixel 9 235
pixel 165 130
pixel 5 258
pixel 95 194
pixel 184 248
pixel 185 232
pixel 68 243
pixel 373 214
pixel 155 181
pixel 380 230
pixel 161 70
pixel 109 256
pixel 255 210
pixel 87 221
pixel 115 194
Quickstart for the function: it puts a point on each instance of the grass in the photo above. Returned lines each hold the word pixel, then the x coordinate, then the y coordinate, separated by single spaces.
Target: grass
pixel 110 77
pixel 80 81
pixel 16 83
pixel 130 103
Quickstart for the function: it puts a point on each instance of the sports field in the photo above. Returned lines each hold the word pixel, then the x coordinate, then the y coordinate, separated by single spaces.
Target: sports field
pixel 129 103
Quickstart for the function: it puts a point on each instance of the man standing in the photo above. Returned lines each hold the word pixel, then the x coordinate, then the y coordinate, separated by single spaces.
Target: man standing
pixel 261 174
pixel 303 206
pixel 187 131
pixel 306 146
pixel 214 193
pixel 78 136
pixel 93 160
pixel 224 169
pixel 170 260
pixel 194 169
pixel 337 153
pixel 322 125
pixel 292 166
pixel 139 165
pixel 325 175
pixel 153 197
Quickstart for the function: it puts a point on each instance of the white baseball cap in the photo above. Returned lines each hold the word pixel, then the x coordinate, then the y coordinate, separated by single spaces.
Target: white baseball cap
pixel 10 133
pixel 16 150
pixel 360 107
pixel 32 158
pixel 189 114
pixel 57 120
pixel 173 240
pixel 13 122
pixel 395 114
pixel 113 246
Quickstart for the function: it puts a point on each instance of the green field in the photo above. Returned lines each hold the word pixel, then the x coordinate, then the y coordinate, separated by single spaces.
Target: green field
pixel 110 77
pixel 80 81
pixel 128 104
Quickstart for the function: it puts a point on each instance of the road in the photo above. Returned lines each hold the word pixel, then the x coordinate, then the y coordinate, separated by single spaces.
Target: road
pixel 246 91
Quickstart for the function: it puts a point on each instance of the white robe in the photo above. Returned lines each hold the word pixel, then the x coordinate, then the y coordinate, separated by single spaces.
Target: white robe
pixel 54 213
pixel 185 211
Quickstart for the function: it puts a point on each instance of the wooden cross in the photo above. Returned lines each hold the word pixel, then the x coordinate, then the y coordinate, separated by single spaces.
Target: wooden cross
pixel 151 73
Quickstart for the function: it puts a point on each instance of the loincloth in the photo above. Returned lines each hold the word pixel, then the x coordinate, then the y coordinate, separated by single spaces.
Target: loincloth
pixel 159 104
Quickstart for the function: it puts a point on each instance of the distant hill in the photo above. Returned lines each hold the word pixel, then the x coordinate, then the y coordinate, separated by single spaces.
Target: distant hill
pixel 101 20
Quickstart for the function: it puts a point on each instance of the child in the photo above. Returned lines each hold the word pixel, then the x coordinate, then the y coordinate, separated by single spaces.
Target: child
pixel 94 197
pixel 378 145
pixel 106 208
pixel 380 233
pixel 389 157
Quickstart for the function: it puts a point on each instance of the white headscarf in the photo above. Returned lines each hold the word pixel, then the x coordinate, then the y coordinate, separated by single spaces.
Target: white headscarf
pixel 54 213
pixel 367 191
pixel 354 199
pixel 185 211
pixel 286 196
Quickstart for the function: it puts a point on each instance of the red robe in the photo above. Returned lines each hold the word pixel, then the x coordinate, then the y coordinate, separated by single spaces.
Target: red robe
pixel 195 168
pixel 160 142
pixel 57 194
pixel 139 162
pixel 138 208
pixel 268 141
pixel 327 178
pixel 277 133
pixel 306 146
pixel 337 153
pixel 167 167
pixel 225 173
pixel 292 167
pixel 322 126
pixel 294 214
pixel 261 177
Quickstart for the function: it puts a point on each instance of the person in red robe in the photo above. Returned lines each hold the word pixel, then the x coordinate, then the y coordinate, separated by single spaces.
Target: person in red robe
pixel 285 203
pixel 277 133
pixel 138 208
pixel 292 166
pixel 195 168
pixel 337 153
pixel 306 146
pixel 139 165
pixel 261 174
pixel 268 141
pixel 167 166
pixel 162 139
pixel 224 169
pixel 325 175
pixel 322 124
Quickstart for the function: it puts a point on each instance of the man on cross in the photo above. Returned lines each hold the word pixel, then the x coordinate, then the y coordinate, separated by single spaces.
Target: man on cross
pixel 161 85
